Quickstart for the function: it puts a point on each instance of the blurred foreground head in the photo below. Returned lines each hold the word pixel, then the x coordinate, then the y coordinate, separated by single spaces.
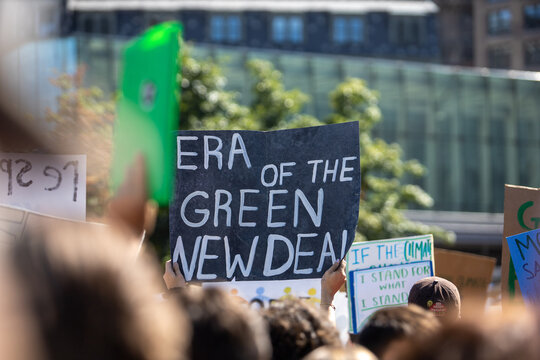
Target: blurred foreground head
pixel 509 336
pixel 297 328
pixel 19 24
pixel 388 328
pixel 222 327
pixel 76 292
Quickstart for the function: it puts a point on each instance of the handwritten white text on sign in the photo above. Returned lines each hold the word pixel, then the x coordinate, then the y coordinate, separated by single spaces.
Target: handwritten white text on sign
pixel 261 206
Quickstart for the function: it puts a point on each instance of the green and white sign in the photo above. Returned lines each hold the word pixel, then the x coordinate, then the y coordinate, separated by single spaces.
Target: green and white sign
pixel 381 273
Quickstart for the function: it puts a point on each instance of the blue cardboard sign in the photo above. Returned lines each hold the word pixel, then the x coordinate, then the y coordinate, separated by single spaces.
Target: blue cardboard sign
pixel 525 252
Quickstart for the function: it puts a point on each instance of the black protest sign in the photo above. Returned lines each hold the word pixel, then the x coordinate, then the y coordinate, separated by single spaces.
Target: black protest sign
pixel 264 205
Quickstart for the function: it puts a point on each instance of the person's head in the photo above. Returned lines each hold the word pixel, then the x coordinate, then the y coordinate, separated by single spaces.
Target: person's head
pixel 509 336
pixel 437 295
pixel 353 352
pixel 297 328
pixel 83 294
pixel 387 327
pixel 222 327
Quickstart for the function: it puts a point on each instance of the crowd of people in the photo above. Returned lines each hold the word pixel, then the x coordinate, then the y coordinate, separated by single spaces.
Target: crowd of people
pixel 74 291
pixel 80 292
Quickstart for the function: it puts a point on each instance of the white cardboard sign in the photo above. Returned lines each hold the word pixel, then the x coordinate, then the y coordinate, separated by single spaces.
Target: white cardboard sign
pixel 54 185
pixel 16 222
pixel 381 273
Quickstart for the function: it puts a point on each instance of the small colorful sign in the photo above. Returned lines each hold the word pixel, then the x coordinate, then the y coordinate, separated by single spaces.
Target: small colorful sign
pixel 381 273
pixel 260 294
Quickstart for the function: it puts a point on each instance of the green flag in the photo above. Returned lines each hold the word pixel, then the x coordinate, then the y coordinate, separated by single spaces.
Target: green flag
pixel 148 108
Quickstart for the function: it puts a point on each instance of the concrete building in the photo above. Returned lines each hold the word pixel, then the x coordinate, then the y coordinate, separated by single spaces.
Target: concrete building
pixel 399 29
pixel 507 34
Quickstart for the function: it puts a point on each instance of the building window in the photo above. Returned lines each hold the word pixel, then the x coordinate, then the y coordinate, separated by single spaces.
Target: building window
pixel 225 28
pixel 288 29
pixel 531 16
pixel 499 58
pixel 348 30
pixel 406 30
pixel 499 21
pixel 532 53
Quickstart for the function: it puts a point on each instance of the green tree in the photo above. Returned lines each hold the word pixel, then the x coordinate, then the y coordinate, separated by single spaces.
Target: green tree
pixel 272 106
pixel 83 124
pixel 384 196
pixel 205 102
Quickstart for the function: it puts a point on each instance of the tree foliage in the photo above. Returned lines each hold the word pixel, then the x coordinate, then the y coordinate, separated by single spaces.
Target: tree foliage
pixel 382 168
pixel 83 124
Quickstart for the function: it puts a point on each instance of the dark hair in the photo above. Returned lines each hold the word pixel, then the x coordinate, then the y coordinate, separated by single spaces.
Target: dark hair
pixel 84 297
pixel 222 327
pixel 297 328
pixel 394 323
pixel 438 295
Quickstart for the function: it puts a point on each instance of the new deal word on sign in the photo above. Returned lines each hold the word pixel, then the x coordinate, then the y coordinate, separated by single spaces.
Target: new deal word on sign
pixel 264 205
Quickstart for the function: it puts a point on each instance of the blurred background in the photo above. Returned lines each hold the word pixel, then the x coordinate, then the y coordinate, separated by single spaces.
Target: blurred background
pixel 457 81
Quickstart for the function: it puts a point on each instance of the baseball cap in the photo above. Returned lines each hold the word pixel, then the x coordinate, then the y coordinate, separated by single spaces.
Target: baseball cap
pixel 437 295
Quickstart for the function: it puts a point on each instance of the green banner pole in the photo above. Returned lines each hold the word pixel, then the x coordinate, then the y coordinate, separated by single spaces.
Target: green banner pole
pixel 148 108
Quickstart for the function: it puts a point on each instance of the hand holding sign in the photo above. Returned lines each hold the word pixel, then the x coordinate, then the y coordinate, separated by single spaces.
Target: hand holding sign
pixel 332 280
pixel 173 277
